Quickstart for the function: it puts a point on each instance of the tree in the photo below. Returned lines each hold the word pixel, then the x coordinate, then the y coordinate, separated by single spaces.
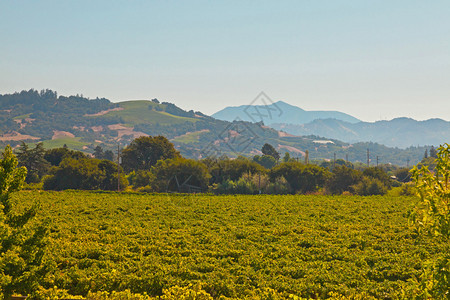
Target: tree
pixel 145 151
pixel 432 218
pixel 55 156
pixel 22 245
pixel 342 179
pixel 301 178
pixel 85 174
pixel 426 154
pixel 232 169
pixel 266 161
pixel 100 154
pixel 433 152
pixel 268 149
pixel 180 175
pixel 33 160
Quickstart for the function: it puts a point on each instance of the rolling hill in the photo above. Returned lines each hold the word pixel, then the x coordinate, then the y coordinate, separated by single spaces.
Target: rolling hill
pixel 82 124
pixel 399 132
pixel 278 112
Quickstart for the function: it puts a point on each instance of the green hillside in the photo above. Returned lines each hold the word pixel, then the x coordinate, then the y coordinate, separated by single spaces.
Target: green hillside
pixel 82 124
pixel 144 112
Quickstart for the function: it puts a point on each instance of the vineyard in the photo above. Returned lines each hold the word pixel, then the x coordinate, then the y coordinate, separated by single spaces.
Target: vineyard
pixel 254 247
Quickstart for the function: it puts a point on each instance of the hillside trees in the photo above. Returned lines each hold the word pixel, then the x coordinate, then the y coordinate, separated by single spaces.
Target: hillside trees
pixel 22 245
pixel 144 152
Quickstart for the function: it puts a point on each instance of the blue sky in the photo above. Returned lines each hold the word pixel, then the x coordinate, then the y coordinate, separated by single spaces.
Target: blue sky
pixel 372 59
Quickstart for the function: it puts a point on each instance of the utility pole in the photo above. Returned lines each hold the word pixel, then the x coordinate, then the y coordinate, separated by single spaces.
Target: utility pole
pixel 346 157
pixel 368 158
pixel 407 162
pixel 377 160
pixel 334 160
pixel 306 157
pixel 259 182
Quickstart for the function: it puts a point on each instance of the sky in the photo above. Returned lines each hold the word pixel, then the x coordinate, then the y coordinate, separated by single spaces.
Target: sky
pixel 375 60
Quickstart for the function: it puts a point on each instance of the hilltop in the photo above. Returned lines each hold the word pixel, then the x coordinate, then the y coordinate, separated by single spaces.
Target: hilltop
pixel 279 112
pixel 399 132
pixel 82 124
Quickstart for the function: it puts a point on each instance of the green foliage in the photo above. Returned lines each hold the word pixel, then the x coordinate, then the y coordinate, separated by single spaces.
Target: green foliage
pixel 403 174
pixel 33 160
pixel 343 179
pixel 369 186
pixel 84 174
pixel 231 169
pixel 180 175
pixel 21 244
pixel 239 247
pixel 144 152
pixel 379 174
pixel 140 178
pixel 267 161
pixel 268 149
pixel 301 178
pixel 433 217
pixel 55 156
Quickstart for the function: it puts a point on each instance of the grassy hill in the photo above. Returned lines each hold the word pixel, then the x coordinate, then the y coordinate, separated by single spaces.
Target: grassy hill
pixel 82 124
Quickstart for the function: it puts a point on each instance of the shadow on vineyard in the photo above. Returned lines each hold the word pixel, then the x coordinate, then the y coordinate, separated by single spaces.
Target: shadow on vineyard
pixel 109 245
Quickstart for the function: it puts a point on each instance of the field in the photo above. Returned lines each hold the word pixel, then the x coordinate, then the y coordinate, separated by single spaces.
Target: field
pixel 234 246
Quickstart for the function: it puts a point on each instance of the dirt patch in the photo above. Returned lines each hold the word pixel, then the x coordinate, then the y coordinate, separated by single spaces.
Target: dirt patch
pixel 189 132
pixel 57 134
pixel 97 128
pixel 104 112
pixel 123 130
pixel 15 136
pixel 285 134
pixel 80 128
pixel 291 149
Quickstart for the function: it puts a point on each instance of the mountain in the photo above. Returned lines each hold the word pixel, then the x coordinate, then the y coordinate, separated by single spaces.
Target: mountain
pixel 399 132
pixel 82 124
pixel 278 112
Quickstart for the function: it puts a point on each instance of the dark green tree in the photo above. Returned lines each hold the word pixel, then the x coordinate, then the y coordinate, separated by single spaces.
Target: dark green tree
pixel 180 175
pixel 433 152
pixel 268 149
pixel 22 245
pixel 343 179
pixel 266 161
pixel 85 174
pixel 144 152
pixel 56 155
pixel 301 178
pixel 33 159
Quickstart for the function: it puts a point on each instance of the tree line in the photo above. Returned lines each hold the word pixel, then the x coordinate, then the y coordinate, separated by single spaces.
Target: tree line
pixel 152 164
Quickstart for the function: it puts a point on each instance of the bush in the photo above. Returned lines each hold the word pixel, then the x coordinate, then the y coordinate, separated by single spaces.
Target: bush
pixel 84 174
pixel 369 186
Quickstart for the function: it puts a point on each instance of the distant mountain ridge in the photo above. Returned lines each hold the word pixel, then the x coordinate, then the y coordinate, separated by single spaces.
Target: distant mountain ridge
pixel 82 124
pixel 399 132
pixel 278 112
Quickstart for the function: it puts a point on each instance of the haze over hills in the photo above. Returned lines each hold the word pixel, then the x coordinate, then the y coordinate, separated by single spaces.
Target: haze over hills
pixel 278 112
pixel 82 124
pixel 399 132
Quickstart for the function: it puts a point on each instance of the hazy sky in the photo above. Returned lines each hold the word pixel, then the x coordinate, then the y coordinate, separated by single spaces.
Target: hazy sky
pixel 372 59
